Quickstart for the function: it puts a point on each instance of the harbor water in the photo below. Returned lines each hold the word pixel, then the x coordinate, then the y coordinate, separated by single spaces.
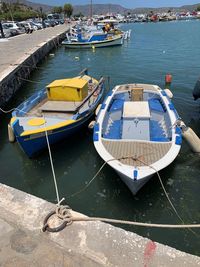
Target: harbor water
pixel 154 50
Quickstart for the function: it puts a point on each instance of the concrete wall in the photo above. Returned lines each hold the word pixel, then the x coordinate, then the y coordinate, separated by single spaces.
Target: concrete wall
pixel 80 244
pixel 12 78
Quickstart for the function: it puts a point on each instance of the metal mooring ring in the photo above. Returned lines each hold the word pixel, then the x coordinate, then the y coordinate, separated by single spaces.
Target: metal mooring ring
pixel 55 229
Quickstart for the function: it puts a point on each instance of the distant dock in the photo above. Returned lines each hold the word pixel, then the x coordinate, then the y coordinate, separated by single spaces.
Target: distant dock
pixel 20 55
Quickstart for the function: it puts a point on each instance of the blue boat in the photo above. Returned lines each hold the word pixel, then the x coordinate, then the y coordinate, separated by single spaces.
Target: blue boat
pixel 93 39
pixel 59 111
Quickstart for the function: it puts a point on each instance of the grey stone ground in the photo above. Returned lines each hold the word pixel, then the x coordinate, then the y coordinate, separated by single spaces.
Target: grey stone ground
pixel 18 46
pixel 87 244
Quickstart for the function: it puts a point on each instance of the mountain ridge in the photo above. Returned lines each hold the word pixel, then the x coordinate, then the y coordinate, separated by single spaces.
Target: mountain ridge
pixel 99 9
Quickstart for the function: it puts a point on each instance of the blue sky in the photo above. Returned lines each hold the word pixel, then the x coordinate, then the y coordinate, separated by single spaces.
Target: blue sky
pixel 124 3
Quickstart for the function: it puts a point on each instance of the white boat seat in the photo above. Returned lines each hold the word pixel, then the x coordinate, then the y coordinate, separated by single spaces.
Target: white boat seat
pixel 136 109
pixel 60 106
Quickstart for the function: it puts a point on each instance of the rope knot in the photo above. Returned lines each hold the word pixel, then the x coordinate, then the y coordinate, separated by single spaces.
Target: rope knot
pixel 62 213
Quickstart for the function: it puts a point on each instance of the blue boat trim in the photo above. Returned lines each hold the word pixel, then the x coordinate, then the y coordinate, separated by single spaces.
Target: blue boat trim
pixel 16 121
pixel 96 127
pixel 178 130
pixel 135 175
pixel 163 93
pixel 103 106
pixel 171 106
pixel 109 93
pixel 95 137
pixel 178 140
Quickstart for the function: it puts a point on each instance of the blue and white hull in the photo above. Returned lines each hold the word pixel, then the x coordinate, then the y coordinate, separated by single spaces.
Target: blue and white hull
pixel 34 143
pixel 136 132
pixel 112 41
pixel 39 116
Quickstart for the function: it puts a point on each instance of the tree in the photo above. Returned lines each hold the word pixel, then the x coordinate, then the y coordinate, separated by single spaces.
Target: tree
pixel 79 15
pixel 198 8
pixel 4 7
pixel 68 10
pixel 57 10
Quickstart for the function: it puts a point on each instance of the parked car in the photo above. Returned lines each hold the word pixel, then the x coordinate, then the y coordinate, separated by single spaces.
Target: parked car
pixel 6 31
pixel 36 24
pixel 60 21
pixel 28 26
pixel 47 24
pixel 14 28
pixel 51 22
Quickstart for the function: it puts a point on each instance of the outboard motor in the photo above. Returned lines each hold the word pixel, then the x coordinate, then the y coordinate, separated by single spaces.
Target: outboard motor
pixel 196 90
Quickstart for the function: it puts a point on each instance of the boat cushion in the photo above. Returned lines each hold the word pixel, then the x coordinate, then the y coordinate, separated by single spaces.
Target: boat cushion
pixel 156 132
pixel 120 96
pixel 136 109
pixel 114 131
pixel 156 105
pixel 117 104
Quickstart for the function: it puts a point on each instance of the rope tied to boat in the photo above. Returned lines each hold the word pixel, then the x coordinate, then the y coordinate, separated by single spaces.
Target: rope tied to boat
pixel 136 159
pixel 61 213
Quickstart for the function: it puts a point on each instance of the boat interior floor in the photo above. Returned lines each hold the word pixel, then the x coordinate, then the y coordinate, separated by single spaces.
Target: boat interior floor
pixel 59 109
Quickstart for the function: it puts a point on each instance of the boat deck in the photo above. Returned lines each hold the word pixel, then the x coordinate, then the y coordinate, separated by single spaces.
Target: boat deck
pixel 127 87
pixel 134 153
pixel 59 109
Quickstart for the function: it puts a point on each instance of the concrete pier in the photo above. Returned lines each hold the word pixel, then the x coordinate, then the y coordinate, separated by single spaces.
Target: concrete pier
pixel 22 243
pixel 20 54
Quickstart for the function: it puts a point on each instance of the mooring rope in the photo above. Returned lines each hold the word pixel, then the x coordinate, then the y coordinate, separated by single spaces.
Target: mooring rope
pixel 68 218
pixel 130 222
pixel 161 182
pixel 155 225
pixel 49 150
pixel 27 80
pixel 51 162
pixel 8 111
pixel 28 66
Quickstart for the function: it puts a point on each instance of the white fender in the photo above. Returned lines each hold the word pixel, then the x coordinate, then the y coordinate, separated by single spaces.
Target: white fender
pixel 91 125
pixel 11 136
pixel 169 93
pixel 97 109
pixel 192 139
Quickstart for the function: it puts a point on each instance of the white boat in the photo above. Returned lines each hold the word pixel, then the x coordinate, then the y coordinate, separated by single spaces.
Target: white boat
pixel 95 41
pixel 136 132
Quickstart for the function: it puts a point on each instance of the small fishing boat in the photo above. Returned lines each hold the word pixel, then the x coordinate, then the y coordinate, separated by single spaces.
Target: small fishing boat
pixel 59 110
pixel 136 132
pixel 94 39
